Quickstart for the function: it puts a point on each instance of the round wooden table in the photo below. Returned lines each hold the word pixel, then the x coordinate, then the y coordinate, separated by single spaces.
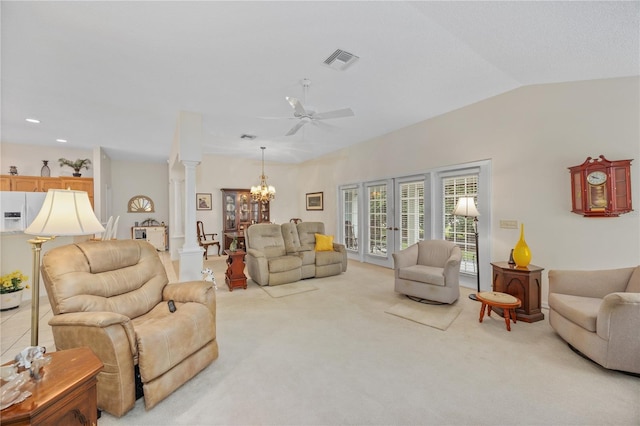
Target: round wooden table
pixel 507 302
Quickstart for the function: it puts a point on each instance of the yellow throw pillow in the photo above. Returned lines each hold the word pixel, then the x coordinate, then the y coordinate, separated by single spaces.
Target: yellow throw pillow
pixel 324 242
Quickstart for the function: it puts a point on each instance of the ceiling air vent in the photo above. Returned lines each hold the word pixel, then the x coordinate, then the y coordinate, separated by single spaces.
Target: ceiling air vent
pixel 246 136
pixel 340 60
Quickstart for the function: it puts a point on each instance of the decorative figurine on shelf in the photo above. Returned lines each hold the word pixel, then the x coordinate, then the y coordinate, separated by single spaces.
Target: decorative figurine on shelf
pixel 45 171
pixel 234 244
pixel 13 170
pixel 33 359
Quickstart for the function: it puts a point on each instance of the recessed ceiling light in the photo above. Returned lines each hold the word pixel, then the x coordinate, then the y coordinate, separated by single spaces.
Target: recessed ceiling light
pixel 33 120
pixel 61 140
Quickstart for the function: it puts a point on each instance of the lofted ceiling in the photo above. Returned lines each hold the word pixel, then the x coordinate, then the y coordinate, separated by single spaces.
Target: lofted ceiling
pixel 116 73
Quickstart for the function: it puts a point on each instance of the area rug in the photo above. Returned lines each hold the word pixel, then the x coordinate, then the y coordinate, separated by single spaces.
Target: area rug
pixel 436 316
pixel 288 289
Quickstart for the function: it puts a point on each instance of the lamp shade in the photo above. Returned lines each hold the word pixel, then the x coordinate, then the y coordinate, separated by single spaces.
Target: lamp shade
pixel 65 212
pixel 466 207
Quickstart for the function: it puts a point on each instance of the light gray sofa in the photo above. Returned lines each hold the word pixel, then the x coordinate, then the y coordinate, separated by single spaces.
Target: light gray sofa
pixel 281 254
pixel 430 270
pixel 598 313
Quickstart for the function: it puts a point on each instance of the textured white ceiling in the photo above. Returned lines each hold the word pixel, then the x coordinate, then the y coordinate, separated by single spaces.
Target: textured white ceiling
pixel 116 74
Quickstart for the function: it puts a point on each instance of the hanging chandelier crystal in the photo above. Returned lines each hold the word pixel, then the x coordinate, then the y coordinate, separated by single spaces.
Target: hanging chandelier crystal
pixel 263 192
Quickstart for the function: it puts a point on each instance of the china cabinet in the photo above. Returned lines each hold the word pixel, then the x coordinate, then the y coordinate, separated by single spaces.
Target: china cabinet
pixel 239 211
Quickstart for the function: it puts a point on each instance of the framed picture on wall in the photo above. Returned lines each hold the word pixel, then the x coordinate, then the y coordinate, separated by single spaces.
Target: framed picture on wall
pixel 203 201
pixel 314 201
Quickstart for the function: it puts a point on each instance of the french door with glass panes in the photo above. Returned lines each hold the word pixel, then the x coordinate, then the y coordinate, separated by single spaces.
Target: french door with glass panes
pixel 378 223
pixel 392 219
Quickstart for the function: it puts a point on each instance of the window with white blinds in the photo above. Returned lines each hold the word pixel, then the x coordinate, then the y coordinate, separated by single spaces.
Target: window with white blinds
pixel 411 213
pixel 459 229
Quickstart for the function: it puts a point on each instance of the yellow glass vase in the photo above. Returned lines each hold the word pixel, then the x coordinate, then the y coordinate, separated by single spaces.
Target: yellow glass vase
pixel 521 252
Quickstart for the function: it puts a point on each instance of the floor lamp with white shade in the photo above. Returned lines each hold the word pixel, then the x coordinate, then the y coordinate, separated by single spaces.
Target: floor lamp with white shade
pixel 467 207
pixel 63 213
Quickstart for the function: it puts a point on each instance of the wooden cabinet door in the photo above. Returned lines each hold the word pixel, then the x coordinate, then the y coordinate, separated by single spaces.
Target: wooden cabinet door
pixel 5 183
pixel 47 183
pixel 79 184
pixel 25 183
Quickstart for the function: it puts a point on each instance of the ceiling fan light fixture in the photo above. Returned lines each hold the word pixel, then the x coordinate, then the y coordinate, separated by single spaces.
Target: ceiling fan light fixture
pixel 263 192
pixel 340 60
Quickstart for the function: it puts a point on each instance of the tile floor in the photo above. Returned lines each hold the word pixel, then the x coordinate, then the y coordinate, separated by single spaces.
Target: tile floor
pixel 15 329
pixel 15 324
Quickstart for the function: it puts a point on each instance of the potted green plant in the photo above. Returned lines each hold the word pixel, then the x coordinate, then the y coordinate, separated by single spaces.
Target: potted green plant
pixel 77 165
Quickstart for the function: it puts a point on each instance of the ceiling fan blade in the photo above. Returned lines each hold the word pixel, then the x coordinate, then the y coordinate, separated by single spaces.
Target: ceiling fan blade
pixel 297 127
pixel 338 113
pixel 297 106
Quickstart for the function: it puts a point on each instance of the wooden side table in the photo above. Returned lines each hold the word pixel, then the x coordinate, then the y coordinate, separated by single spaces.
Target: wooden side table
pixel 524 284
pixel 235 277
pixel 66 394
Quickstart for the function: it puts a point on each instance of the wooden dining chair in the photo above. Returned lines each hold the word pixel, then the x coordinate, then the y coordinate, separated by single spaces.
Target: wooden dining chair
pixel 204 242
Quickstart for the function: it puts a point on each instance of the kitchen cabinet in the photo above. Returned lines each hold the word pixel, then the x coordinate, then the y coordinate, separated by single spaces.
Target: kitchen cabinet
pixel 43 184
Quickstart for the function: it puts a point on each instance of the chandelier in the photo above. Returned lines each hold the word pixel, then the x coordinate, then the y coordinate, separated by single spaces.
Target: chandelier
pixel 263 192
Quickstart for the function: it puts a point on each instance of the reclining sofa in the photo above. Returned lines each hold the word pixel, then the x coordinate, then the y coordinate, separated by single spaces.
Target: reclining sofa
pixel 281 254
pixel 112 297
pixel 598 314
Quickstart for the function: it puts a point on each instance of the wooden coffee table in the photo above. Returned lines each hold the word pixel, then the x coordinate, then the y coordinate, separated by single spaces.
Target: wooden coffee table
pixel 506 302
pixel 66 394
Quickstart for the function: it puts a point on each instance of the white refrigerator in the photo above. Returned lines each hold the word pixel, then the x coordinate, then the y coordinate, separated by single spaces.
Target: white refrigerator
pixel 18 209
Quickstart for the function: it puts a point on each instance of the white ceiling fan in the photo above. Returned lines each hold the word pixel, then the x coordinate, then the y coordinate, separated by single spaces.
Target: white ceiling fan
pixel 306 115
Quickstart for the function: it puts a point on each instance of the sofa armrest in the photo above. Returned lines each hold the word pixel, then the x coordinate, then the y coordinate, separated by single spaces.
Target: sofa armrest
pixel 452 268
pixel 93 324
pixel 406 257
pixel 596 283
pixel 339 247
pixel 619 315
pixel 191 291
pixel 255 253
pixel 112 338
pixel 258 266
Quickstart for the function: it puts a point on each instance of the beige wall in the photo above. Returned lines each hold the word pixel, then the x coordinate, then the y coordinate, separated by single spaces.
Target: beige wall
pixel 530 135
pixel 28 159
pixel 134 178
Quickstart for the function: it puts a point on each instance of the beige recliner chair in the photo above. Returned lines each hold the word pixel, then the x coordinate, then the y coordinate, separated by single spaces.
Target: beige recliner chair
pixel 598 314
pixel 112 297
pixel 429 270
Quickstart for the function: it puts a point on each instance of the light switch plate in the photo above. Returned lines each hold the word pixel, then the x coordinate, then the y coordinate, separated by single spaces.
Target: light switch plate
pixel 509 224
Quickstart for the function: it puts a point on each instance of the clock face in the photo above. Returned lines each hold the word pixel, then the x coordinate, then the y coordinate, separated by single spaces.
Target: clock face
pixel 597 178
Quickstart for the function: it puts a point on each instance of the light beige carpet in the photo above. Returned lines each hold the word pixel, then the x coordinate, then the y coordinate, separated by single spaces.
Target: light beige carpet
pixel 436 316
pixel 288 289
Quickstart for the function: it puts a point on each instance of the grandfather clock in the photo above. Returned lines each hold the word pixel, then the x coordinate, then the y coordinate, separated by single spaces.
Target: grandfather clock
pixel 600 187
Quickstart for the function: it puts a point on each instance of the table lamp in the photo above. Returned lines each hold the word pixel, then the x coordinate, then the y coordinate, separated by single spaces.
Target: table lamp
pixel 64 213
pixel 467 207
